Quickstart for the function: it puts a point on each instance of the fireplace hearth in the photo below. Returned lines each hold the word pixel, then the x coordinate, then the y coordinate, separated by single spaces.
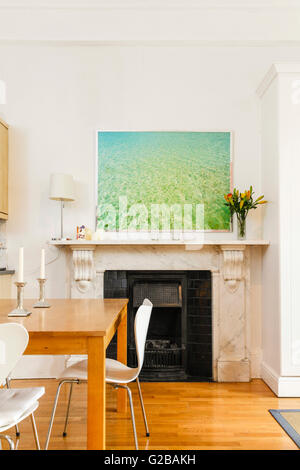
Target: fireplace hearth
pixel 179 340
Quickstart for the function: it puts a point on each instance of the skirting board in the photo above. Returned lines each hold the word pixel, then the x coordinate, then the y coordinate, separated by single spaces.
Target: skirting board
pixel 288 387
pixel 39 367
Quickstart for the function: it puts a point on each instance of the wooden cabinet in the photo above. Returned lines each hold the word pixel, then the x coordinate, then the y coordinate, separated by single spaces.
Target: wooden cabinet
pixel 3 170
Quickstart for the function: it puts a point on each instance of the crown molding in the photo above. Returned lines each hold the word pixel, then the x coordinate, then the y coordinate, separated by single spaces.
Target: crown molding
pixel 274 70
pixel 148 4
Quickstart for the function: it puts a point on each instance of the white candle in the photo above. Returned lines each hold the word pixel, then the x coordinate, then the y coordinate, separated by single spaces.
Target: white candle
pixel 42 273
pixel 21 265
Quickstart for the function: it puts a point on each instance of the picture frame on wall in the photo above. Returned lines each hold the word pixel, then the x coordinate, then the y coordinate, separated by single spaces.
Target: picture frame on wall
pixel 163 180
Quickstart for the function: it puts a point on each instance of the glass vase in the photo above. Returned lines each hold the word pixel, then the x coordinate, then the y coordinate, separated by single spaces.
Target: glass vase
pixel 241 228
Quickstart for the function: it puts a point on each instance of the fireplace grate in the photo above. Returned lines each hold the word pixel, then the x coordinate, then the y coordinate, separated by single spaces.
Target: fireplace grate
pixel 160 354
pixel 161 294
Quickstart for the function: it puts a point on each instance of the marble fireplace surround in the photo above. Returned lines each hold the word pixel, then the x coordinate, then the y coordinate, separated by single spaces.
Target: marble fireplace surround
pixel 228 261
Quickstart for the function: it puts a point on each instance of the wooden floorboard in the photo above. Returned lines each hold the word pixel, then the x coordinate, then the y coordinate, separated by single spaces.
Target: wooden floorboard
pixel 181 416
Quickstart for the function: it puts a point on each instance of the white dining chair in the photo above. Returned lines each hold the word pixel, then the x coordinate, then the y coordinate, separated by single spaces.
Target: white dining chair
pixel 15 404
pixel 117 374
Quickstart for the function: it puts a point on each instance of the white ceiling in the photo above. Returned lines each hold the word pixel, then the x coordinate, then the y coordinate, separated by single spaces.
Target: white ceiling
pixel 238 22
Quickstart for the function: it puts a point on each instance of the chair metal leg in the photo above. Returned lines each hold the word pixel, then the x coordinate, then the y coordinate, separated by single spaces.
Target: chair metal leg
pixel 16 426
pixel 132 417
pixel 142 406
pixel 54 409
pixel 68 410
pixel 35 433
pixel 9 440
pixel 131 411
pixel 17 443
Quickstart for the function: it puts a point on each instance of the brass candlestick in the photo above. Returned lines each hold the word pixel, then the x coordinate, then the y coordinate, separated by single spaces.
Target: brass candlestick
pixel 41 303
pixel 20 311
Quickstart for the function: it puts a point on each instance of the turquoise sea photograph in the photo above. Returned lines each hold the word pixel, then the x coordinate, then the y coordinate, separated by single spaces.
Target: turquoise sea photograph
pixel 165 168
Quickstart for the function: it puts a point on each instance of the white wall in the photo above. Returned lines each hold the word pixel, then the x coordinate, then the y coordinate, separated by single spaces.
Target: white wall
pixel 57 96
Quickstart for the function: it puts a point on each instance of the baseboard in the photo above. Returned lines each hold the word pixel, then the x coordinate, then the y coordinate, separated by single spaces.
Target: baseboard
pixel 43 367
pixel 270 377
pixel 39 367
pixel 286 387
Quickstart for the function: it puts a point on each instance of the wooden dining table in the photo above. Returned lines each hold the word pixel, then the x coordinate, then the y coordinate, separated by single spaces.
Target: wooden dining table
pixel 79 326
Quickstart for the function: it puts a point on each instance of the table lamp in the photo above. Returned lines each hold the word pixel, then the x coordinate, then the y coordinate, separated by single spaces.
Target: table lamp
pixel 61 189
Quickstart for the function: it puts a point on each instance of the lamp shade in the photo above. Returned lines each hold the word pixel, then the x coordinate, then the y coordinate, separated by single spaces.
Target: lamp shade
pixel 61 187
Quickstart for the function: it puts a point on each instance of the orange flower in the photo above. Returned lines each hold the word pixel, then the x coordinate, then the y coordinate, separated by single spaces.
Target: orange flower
pixel 228 197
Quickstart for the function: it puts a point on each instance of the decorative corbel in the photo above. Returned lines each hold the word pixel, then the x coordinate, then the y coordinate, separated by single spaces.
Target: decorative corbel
pixel 83 267
pixel 233 265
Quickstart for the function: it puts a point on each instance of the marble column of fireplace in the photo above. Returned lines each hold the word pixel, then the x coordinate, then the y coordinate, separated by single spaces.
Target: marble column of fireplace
pixel 231 282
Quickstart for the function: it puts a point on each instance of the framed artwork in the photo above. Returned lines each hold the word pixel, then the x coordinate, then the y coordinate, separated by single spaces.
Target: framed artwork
pixel 157 180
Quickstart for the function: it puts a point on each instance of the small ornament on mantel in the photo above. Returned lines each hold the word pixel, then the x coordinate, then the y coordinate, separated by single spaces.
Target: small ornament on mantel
pixel 80 233
pixel 88 234
pixel 99 235
pixel 240 204
pixel 83 233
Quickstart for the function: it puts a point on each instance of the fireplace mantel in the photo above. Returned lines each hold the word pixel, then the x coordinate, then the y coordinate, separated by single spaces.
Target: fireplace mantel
pixel 193 244
pixel 227 260
pixel 84 251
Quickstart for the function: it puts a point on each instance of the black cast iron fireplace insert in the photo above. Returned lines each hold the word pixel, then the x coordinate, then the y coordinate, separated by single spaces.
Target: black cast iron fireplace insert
pixel 179 340
pixel 166 340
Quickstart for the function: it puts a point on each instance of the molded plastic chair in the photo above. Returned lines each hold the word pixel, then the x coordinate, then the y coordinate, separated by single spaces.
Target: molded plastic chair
pixel 117 373
pixel 15 404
